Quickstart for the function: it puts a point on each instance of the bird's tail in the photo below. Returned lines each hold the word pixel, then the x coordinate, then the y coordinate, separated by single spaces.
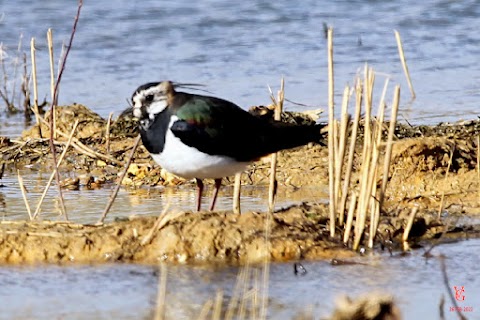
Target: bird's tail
pixel 285 136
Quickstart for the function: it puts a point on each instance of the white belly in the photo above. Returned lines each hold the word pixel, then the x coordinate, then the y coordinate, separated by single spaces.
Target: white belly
pixel 189 163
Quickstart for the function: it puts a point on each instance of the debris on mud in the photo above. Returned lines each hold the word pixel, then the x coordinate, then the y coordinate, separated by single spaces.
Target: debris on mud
pixel 433 168
pixel 298 232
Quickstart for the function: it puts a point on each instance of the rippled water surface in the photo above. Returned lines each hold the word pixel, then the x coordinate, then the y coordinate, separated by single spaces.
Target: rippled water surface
pixel 130 291
pixel 238 48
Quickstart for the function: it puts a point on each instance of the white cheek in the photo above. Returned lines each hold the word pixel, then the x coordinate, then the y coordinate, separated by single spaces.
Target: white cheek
pixel 157 107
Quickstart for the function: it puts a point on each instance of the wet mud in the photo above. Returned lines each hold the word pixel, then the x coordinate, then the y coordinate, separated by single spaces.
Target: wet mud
pixel 433 168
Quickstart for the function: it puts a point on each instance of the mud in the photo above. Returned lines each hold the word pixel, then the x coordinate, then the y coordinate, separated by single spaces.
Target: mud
pixel 421 175
pixel 296 233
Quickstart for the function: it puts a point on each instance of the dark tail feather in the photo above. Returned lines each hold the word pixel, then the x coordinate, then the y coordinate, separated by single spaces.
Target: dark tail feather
pixel 290 136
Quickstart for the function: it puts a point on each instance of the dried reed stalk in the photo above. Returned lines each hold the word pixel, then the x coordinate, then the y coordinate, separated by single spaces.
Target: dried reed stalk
pixel 271 204
pixel 24 194
pixel 2 171
pixel 162 293
pixel 253 310
pixel 335 151
pixel 26 90
pixel 162 220
pixel 331 138
pixel 351 150
pixel 52 176
pixel 380 120
pixel 372 186
pixel 236 193
pixel 351 211
pixel 232 304
pixel 54 104
pixel 119 184
pixel 80 147
pixel 35 86
pixel 52 77
pixel 442 200
pixel 205 310
pixel 388 152
pixel 368 145
pixel 217 307
pixel 339 158
pixel 272 189
pixel 107 133
pixel 376 140
pixel 408 227
pixel 243 300
pixel 404 63
pixel 478 163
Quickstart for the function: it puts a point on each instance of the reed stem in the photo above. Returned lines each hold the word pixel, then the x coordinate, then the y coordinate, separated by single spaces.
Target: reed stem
pixel 161 293
pixel 404 63
pixel 351 211
pixel 236 193
pixel 345 118
pixel 272 190
pixel 24 194
pixel 388 152
pixel 52 176
pixel 331 138
pixel 35 86
pixel 408 227
pixel 442 200
pixel 52 77
pixel 351 150
pixel 107 133
pixel 120 180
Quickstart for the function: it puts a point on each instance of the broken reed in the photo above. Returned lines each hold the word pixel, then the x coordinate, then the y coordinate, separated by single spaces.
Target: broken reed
pixel 278 102
pixel 366 198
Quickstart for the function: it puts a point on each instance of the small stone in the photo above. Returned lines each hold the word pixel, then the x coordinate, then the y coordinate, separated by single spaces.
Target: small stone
pixel 86 179
pixel 133 169
pixel 101 163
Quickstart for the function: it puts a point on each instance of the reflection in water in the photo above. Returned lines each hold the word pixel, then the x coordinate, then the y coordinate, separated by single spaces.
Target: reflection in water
pixel 113 48
pixel 86 206
pixel 3 204
pixel 130 291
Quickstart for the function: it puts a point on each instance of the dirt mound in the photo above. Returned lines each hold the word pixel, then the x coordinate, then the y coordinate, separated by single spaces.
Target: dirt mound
pixel 90 124
pixel 421 175
pixel 188 237
pixel 433 153
pixel 207 237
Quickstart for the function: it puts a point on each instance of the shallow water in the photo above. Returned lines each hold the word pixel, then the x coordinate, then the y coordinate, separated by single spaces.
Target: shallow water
pixel 238 49
pixel 86 206
pixel 130 291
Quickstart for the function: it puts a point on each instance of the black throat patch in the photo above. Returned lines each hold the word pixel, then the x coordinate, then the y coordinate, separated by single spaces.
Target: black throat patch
pixel 153 132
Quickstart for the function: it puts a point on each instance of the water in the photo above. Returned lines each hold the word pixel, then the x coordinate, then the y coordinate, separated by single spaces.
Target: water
pixel 130 291
pixel 238 49
pixel 86 206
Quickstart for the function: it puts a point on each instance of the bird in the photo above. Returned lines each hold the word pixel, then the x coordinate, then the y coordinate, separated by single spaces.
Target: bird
pixel 203 137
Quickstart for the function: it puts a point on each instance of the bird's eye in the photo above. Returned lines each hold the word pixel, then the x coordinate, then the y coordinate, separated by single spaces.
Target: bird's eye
pixel 149 98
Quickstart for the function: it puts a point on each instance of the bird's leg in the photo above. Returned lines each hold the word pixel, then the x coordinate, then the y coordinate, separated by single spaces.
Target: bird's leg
pixel 218 184
pixel 199 193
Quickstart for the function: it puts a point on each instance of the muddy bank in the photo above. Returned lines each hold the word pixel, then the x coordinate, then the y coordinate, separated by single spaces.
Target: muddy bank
pixel 297 233
pixel 433 168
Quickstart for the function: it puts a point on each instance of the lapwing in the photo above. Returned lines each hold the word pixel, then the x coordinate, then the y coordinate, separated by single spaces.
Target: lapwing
pixel 203 137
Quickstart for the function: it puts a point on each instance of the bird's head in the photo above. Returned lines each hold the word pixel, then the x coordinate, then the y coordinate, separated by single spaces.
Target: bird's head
pixel 151 99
